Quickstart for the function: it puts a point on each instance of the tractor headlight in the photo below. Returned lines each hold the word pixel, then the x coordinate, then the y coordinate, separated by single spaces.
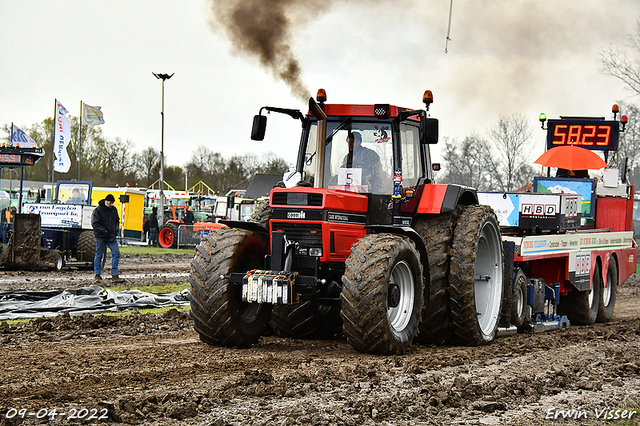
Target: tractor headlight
pixel 315 251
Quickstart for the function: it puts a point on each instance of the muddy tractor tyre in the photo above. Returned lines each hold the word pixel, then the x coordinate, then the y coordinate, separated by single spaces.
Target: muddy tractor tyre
pixel 608 294
pixel 476 278
pixel 262 213
pixel 220 316
pixel 437 234
pixel 168 236
pixel 306 320
pixel 382 290
pixel 581 307
pixel 519 309
pixel 86 247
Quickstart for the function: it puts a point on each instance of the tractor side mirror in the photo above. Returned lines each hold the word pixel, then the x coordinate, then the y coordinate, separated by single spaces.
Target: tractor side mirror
pixel 259 127
pixel 430 131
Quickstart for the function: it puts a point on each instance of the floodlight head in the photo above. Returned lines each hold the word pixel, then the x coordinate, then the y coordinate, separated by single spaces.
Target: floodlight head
pixel 163 76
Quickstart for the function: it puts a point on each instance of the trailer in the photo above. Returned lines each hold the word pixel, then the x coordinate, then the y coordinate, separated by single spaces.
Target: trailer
pixel 570 242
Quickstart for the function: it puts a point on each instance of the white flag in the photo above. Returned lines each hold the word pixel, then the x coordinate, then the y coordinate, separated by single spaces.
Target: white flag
pixel 62 136
pixel 92 115
pixel 21 139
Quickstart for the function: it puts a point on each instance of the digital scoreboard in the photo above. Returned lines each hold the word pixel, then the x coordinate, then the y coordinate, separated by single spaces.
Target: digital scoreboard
pixel 19 157
pixel 587 133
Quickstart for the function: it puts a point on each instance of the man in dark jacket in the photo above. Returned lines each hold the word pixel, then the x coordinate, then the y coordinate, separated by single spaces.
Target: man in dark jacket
pixel 106 224
pixel 153 227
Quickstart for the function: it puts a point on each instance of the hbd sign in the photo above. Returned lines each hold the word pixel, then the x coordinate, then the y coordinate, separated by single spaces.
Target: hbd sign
pixel 538 210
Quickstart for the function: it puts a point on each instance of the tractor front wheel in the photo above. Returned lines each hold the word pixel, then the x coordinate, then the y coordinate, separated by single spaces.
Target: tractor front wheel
pixel 220 316
pixel 382 294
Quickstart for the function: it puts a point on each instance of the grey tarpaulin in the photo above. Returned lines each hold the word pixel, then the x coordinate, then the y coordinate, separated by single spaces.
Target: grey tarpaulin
pixel 31 304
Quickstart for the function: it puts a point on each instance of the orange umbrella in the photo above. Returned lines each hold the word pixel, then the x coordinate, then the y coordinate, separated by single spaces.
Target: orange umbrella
pixel 571 157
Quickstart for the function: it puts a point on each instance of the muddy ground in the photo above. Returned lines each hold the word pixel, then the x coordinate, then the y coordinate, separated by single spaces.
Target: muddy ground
pixel 153 369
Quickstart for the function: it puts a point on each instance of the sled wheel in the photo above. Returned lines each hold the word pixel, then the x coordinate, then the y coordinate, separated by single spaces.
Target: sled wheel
pixel 476 279
pixel 519 300
pixel 220 316
pixel 306 320
pixel 608 294
pixel 168 236
pixel 382 294
pixel 87 247
pixel 437 233
pixel 59 262
pixel 581 307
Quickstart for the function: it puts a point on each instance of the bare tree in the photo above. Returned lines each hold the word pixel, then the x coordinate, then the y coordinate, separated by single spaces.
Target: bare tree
pixel 464 164
pixel 507 154
pixel 147 164
pixel 629 144
pixel 616 63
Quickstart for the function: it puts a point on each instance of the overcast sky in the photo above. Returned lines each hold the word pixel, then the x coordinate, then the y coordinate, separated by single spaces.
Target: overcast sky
pixel 504 57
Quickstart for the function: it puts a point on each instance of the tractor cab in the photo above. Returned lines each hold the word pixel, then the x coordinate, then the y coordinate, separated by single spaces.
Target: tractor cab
pixel 380 150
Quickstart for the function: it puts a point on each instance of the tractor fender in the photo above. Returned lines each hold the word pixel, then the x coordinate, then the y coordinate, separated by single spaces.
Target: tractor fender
pixel 248 226
pixel 442 198
pixel 407 231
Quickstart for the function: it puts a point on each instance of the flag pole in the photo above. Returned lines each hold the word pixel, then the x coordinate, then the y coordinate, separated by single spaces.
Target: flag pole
pixel 79 150
pixel 53 145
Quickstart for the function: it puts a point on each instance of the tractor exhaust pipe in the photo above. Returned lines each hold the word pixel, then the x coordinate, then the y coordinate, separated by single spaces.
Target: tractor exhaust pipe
pixel 317 111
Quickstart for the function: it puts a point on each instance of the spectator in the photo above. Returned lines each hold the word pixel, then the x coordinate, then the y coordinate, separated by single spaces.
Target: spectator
pixel 188 216
pixel 153 227
pixel 106 225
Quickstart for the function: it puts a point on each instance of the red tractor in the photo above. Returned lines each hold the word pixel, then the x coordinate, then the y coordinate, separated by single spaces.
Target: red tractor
pixel 168 235
pixel 359 239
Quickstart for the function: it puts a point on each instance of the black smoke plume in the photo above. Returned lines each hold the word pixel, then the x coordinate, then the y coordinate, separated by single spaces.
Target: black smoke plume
pixel 263 28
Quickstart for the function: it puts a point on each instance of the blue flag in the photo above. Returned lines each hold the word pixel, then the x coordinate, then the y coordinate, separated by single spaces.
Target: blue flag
pixel 21 139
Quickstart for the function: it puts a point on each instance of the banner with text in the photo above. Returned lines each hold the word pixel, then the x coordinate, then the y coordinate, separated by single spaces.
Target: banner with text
pixel 62 136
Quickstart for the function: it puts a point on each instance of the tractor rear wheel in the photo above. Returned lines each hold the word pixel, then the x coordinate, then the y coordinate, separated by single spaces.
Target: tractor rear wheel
pixel 608 294
pixel 220 316
pixel 581 307
pixel 306 320
pixel 437 233
pixel 86 247
pixel 382 294
pixel 476 279
pixel 168 236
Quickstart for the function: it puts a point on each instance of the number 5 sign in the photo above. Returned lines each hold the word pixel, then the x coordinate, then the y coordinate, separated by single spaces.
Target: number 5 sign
pixel 348 177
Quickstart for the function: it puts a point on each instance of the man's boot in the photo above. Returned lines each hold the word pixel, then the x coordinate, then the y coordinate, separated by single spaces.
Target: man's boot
pixel 116 279
pixel 97 278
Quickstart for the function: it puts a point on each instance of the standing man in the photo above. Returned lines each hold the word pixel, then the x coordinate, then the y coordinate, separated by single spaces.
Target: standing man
pixel 153 227
pixel 106 224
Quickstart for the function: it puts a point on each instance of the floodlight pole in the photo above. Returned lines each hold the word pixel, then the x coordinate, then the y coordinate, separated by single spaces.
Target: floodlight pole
pixel 162 77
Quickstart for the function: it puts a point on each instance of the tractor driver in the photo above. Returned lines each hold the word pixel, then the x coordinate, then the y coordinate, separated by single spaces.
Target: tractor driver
pixel 77 197
pixel 366 159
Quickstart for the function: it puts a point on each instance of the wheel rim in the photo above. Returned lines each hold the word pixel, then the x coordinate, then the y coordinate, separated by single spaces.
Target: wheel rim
pixel 606 293
pixel 402 291
pixel 59 262
pixel 520 301
pixel 488 278
pixel 612 282
pixel 166 236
